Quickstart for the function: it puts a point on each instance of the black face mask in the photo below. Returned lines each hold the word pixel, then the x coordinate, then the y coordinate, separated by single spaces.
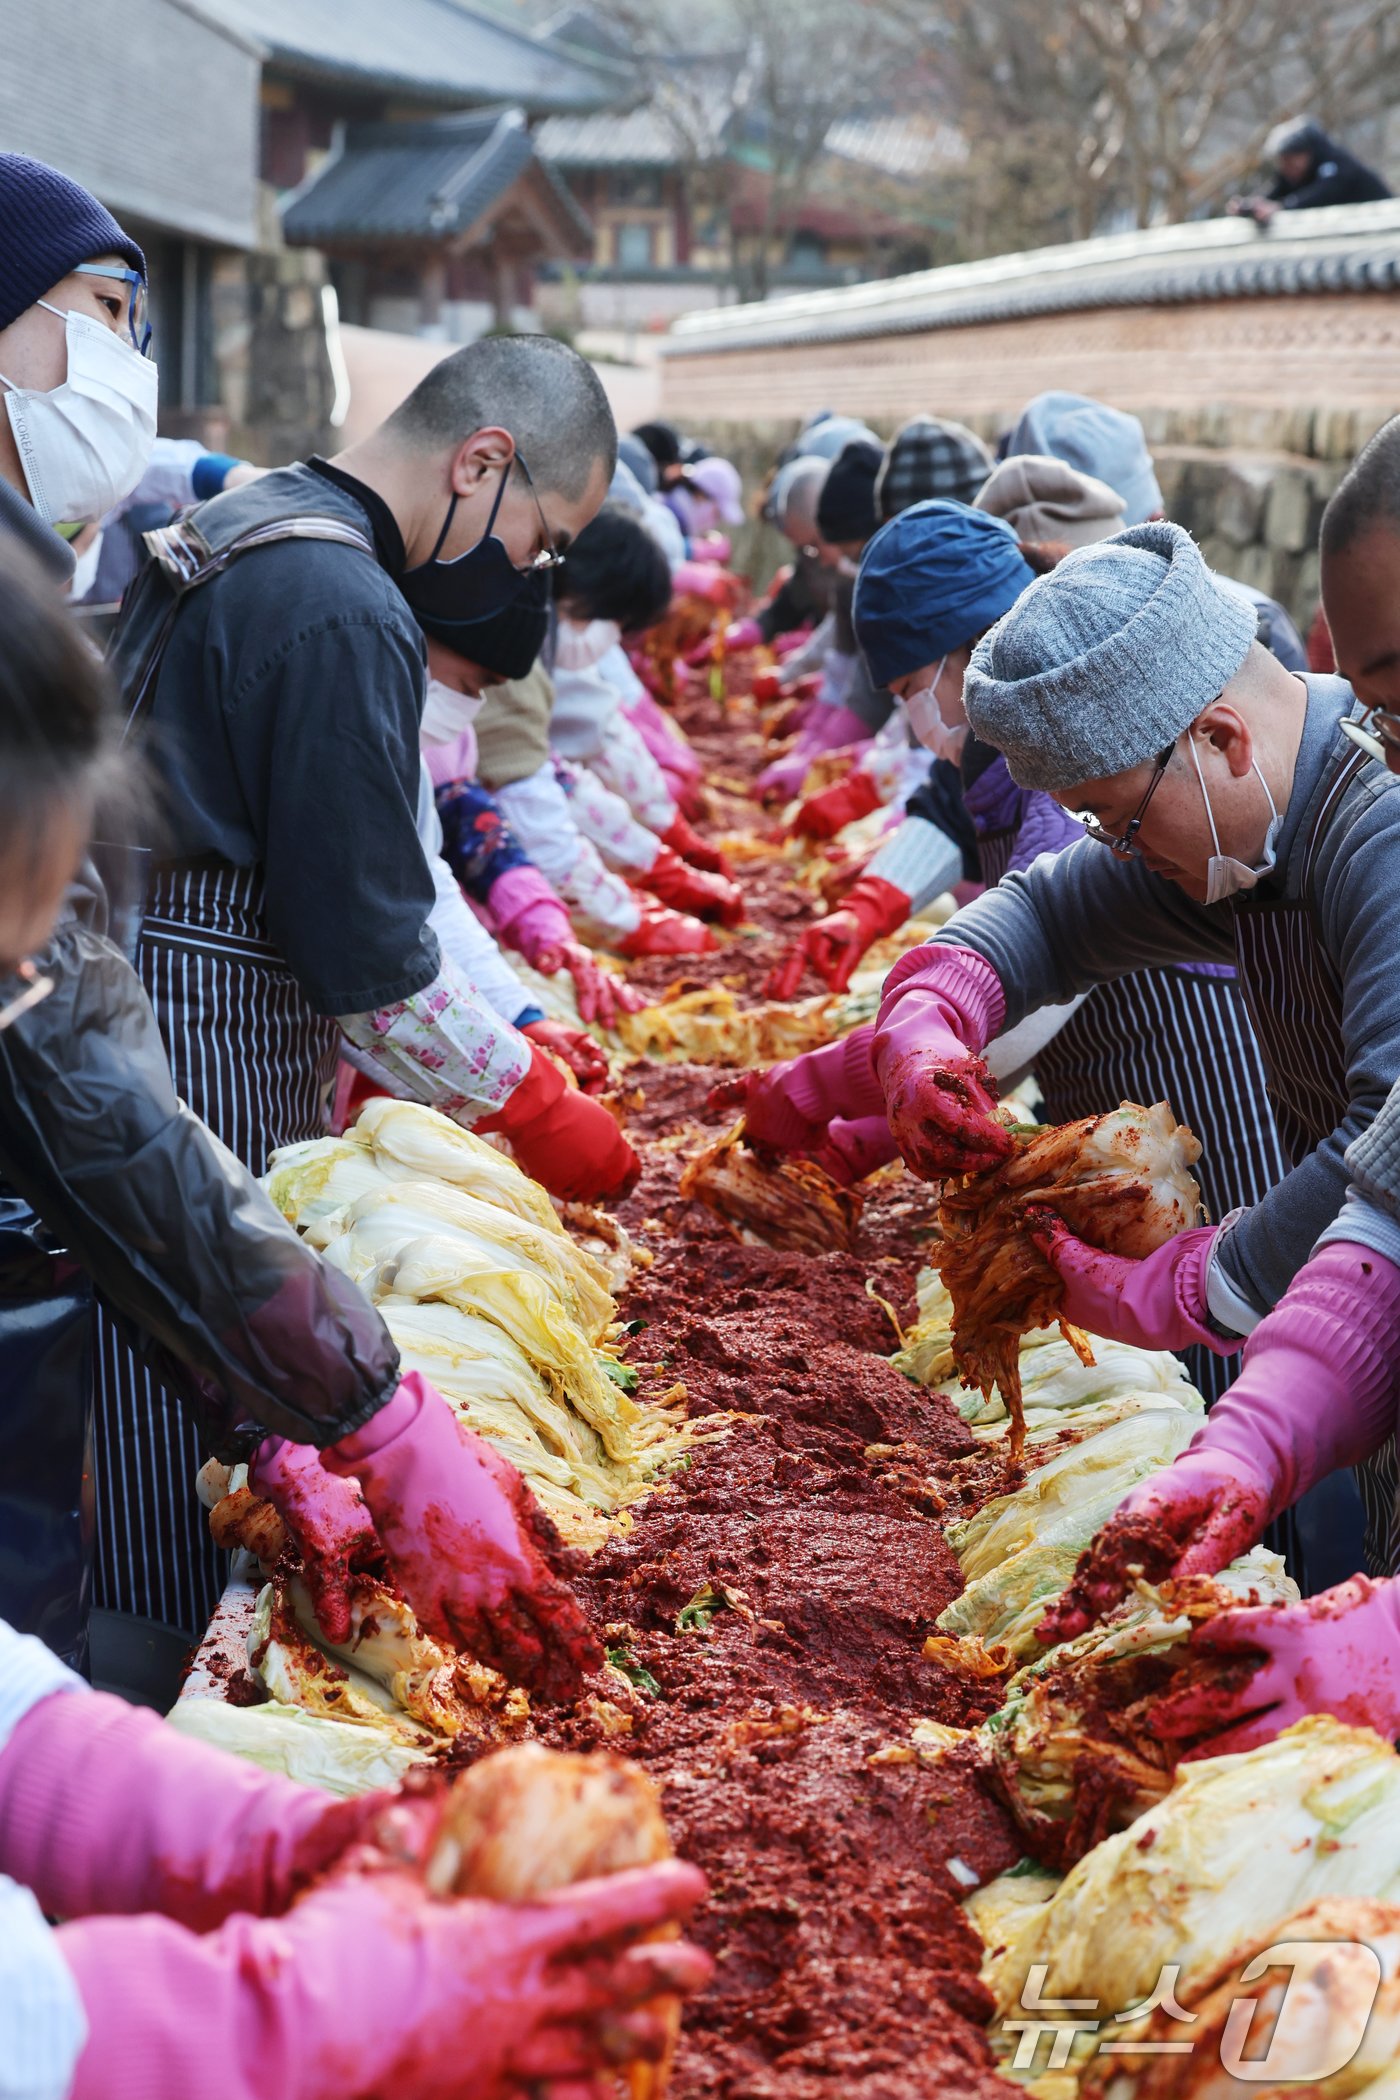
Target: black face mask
pixel 448 596
pixel 505 643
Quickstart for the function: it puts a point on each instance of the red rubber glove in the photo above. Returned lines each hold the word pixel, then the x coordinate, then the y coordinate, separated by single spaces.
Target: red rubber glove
pixel 664 932
pixel 1318 1391
pixel 566 1142
pixel 684 839
pixel 702 579
pixel 369 1987
pixel 1192 1518
pixel 329 1520
pixel 834 945
pixel 1156 1303
pixel 689 889
pixel 827 728
pixel 467 1542
pixel 601 996
pixel 105 1809
pixel 941 1008
pixel 1336 1653
pixel 575 1048
pixel 822 816
pixel 788 1107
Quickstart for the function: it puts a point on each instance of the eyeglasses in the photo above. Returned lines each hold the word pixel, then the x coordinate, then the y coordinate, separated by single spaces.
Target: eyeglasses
pixel 549 556
pixel 1379 736
pixel 138 320
pixel 36 988
pixel 1124 843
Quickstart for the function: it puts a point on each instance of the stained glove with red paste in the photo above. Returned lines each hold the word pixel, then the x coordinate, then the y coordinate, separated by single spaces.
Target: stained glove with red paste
pixel 469 1546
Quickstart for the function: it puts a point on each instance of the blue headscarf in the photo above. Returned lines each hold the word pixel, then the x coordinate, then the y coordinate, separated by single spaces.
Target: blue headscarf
pixel 938 575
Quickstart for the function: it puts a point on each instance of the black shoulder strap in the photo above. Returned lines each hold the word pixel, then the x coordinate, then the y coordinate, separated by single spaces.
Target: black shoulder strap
pixel 186 559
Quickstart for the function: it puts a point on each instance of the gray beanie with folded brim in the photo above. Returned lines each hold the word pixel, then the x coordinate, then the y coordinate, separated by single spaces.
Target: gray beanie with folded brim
pixel 1102 663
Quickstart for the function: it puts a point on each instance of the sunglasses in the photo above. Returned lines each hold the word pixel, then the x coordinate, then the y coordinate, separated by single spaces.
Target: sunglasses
pixel 1378 736
pixel 138 317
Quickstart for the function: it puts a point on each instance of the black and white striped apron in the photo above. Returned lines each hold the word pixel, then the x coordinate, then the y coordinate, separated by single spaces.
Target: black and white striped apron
pixel 251 1058
pixel 1293 990
pixel 1175 1035
pixel 1184 1037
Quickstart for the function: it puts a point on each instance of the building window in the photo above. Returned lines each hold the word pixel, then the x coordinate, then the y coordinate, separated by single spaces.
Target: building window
pixel 807 251
pixel 639 186
pixel 634 246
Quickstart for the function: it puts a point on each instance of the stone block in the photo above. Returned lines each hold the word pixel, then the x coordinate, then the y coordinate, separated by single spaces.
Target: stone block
pixel 1239 505
pixel 1307 590
pixel 1292 511
pixel 299 307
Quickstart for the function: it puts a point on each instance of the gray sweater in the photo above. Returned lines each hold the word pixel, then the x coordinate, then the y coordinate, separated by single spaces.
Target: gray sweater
pixel 1085 917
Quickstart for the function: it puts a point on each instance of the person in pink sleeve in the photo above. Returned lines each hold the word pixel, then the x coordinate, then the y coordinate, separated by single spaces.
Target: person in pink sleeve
pixel 1320 1387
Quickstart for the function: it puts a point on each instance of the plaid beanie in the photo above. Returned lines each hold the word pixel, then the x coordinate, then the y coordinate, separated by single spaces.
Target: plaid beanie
pixel 846 506
pixel 49 224
pixel 931 458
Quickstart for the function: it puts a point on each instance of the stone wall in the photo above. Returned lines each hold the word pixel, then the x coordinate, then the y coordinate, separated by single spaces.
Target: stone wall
pixel 275 376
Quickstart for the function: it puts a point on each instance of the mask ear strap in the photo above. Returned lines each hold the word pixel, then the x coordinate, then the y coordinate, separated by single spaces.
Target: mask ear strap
pixel 452 512
pixel 1210 813
pixel 1273 806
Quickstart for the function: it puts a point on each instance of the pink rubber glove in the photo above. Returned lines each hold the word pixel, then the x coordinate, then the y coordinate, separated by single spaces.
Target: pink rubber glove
pixel 711 546
pixel 827 728
pixel 1156 1303
pixel 1192 1518
pixel 467 1542
pixel 788 1107
pixel 796 638
pixel 1318 1391
pixel 528 915
pixel 104 1809
pixel 854 1149
pixel 701 579
pixel 1336 1653
pixel 369 1987
pixel 661 736
pixel 942 1006
pixel 740 634
pixel 329 1520
pixel 601 996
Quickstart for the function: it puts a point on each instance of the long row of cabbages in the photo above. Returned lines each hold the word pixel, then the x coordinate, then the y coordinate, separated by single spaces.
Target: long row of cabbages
pixel 511 1317
pixel 1134 1953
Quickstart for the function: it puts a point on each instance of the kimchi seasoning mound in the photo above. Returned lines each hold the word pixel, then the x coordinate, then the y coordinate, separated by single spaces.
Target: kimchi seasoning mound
pixel 767 1610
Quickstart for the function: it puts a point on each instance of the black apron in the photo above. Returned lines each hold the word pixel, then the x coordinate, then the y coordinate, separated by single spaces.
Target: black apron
pixel 46 1517
pixel 253 1060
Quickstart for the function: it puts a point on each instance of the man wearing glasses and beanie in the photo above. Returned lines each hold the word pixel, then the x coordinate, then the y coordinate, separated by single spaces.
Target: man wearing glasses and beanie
pixel 1231 819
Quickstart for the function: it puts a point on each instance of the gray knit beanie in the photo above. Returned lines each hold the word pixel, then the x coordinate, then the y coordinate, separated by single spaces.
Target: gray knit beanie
pixel 1102 663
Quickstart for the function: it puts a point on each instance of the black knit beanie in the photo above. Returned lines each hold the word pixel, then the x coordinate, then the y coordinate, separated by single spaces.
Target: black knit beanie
pixel 48 224
pixel 846 507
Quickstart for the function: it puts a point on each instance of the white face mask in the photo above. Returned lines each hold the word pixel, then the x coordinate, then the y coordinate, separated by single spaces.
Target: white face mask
pixel 446 712
pixel 1226 876
pixel 579 643
pixel 86 444
pixel 928 724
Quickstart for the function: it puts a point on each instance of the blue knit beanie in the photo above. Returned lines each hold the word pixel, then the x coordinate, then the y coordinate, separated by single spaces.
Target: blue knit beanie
pixel 935 577
pixel 48 224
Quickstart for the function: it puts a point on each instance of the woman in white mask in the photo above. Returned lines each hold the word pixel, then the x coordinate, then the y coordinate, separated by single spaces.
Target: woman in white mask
pixel 77 381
